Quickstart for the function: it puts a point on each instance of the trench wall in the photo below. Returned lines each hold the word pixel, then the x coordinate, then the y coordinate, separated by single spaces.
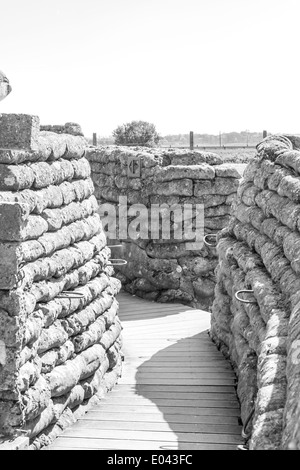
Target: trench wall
pixel 161 267
pixel 59 329
pixel 260 251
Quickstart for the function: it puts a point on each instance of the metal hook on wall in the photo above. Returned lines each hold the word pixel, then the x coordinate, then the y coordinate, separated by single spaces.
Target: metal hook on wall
pixel 246 435
pixel 69 295
pixel 117 262
pixel 210 235
pixel 245 291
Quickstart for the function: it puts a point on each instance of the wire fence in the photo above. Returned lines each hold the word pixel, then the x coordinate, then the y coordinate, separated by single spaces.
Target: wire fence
pixel 191 144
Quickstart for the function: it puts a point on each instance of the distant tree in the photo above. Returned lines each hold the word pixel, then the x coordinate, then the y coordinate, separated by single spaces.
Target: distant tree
pixel 136 133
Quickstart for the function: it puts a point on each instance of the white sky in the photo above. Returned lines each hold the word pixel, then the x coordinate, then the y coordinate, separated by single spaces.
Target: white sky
pixel 201 65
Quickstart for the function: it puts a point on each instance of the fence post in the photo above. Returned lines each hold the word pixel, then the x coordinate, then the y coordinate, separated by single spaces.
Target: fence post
pixel 191 140
pixel 265 133
pixel 95 139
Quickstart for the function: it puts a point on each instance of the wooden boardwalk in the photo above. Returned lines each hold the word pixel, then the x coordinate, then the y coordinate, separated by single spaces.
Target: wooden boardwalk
pixel 176 393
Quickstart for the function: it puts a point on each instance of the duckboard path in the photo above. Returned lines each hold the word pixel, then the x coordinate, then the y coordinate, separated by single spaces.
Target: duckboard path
pixel 177 391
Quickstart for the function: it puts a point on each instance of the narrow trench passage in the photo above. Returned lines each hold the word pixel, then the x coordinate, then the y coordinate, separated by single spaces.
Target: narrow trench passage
pixel 176 392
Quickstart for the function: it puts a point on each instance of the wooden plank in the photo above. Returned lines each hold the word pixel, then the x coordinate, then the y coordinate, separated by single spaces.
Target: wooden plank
pixel 185 319
pixel 129 380
pixel 133 300
pixel 181 339
pixel 171 371
pixel 184 316
pixel 169 346
pixel 185 333
pixel 161 366
pixel 114 415
pixel 160 361
pixel 159 320
pixel 140 314
pixel 163 337
pixel 149 367
pixel 151 317
pixel 163 355
pixel 163 361
pixel 154 335
pixel 183 353
pixel 161 402
pixel 168 349
pixel 130 317
pixel 77 431
pixel 184 349
pixel 162 427
pixel 172 410
pixel 170 337
pixel 140 388
pixel 171 366
pixel 141 376
pixel 140 311
pixel 144 378
pixel 171 395
pixel 144 306
pixel 101 444
pixel 143 311
pixel 124 296
pixel 193 373
pixel 158 325
pixel 158 307
pixel 178 344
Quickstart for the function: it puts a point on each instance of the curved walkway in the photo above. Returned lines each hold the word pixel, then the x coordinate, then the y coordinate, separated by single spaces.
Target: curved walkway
pixel 177 390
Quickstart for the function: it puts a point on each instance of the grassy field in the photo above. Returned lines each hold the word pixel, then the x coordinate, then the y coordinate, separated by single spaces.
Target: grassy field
pixel 229 155
pixel 236 155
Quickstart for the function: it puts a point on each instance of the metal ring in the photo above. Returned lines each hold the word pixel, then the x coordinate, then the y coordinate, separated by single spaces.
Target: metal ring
pixel 69 295
pixel 242 447
pixel 209 235
pixel 242 300
pixel 118 262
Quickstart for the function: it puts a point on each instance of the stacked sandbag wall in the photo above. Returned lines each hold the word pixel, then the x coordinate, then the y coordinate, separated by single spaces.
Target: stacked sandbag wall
pixel 259 252
pixel 59 329
pixel 163 268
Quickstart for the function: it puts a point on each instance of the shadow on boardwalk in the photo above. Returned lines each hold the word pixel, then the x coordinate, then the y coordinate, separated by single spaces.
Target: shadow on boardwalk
pixel 192 386
pixel 176 391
